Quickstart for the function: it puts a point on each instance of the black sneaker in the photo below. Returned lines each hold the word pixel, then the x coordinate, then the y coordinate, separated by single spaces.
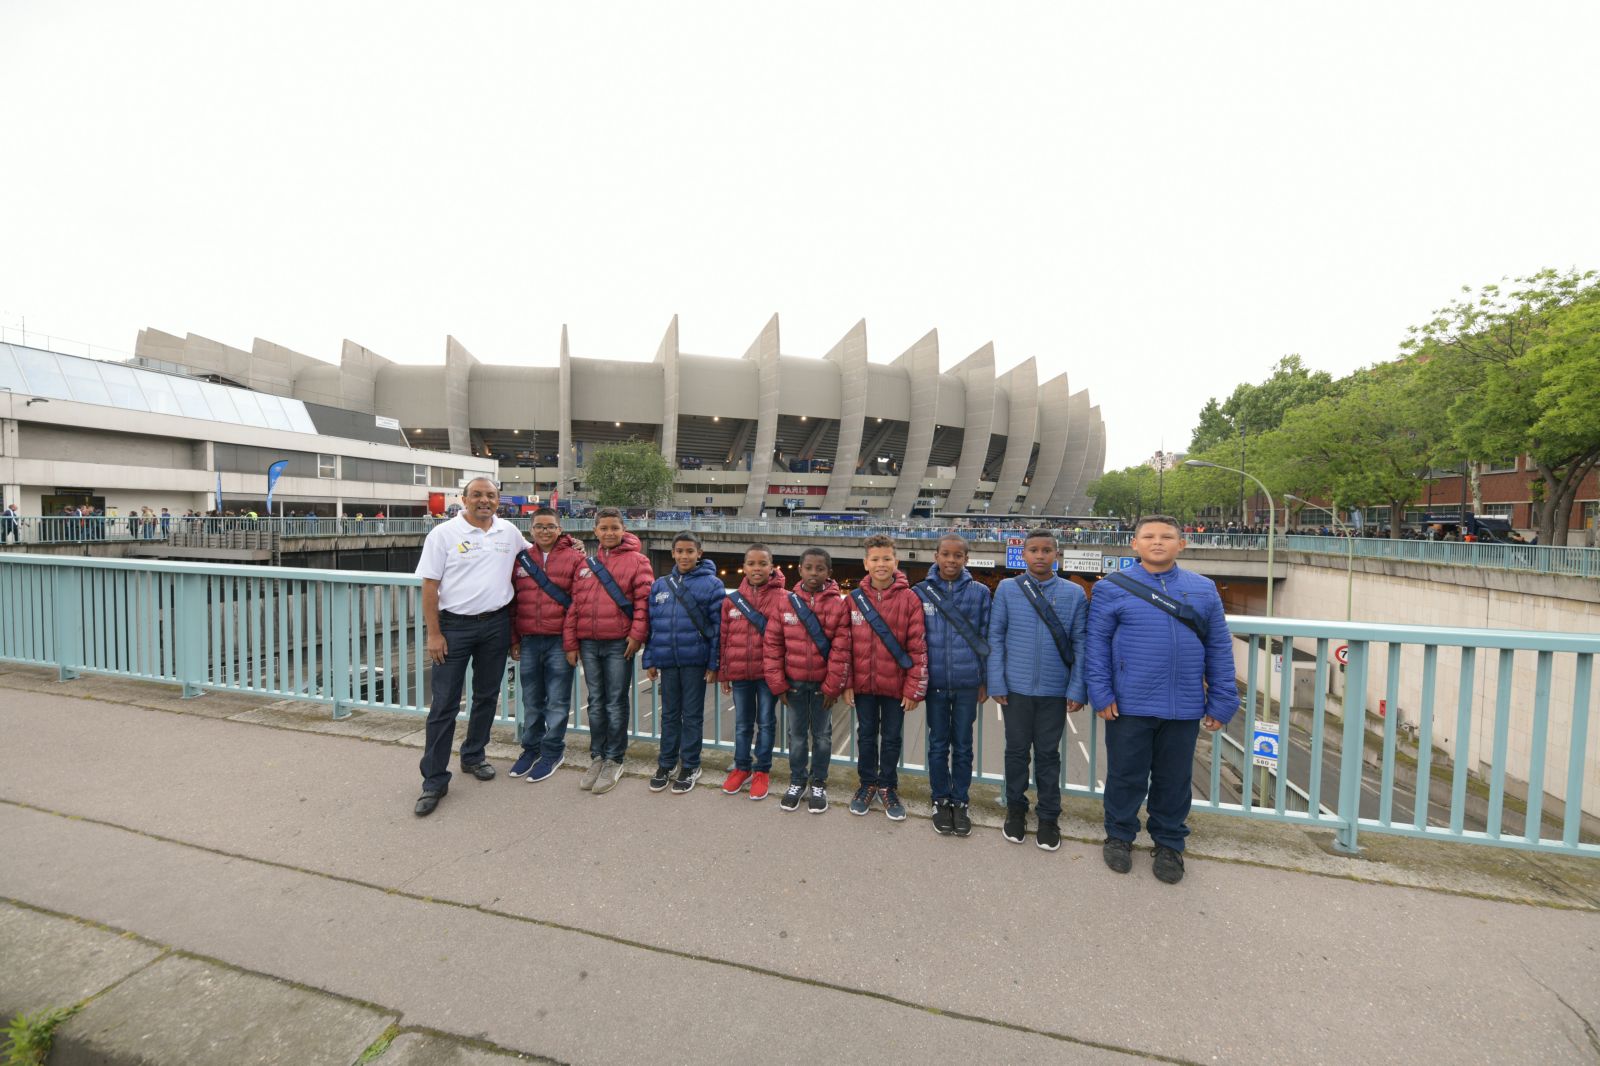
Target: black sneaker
pixel 685 780
pixel 818 803
pixel 1016 824
pixel 1118 854
pixel 791 796
pixel 963 823
pixel 1049 835
pixel 861 802
pixel 1168 865
pixel 661 778
pixel 944 818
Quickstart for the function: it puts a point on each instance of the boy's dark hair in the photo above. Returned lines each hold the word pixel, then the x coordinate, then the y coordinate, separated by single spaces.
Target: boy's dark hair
pixel 878 540
pixel 957 537
pixel 608 512
pixel 821 553
pixel 545 512
pixel 759 547
pixel 687 535
pixel 1047 534
pixel 1163 519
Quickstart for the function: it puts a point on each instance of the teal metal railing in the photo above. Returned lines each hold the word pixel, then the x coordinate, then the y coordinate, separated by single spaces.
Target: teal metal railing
pixel 1470 735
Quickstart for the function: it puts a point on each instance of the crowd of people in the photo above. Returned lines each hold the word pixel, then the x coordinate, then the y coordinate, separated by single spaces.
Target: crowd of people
pixel 1150 652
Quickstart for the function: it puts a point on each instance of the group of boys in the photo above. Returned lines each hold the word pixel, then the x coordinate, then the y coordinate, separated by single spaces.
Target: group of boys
pixel 1151 652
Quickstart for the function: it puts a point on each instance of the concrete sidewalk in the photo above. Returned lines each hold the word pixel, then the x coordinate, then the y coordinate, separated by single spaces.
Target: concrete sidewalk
pixel 543 920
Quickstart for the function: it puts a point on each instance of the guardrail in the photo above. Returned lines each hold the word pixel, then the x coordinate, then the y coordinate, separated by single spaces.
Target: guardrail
pixel 352 640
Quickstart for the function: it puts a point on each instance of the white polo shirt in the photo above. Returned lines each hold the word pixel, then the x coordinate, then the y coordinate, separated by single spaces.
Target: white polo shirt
pixel 473 567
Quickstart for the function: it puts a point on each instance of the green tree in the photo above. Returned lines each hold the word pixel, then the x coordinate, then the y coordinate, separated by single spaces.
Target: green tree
pixel 1520 365
pixel 1260 408
pixel 634 474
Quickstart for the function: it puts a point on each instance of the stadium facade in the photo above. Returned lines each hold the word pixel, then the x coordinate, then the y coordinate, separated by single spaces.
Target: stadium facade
pixel 767 431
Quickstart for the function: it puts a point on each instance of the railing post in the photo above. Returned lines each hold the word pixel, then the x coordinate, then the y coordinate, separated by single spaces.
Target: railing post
pixel 66 610
pixel 190 624
pixel 341 683
pixel 1353 749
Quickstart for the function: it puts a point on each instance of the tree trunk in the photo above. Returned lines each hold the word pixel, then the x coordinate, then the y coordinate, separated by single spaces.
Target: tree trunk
pixel 1555 511
pixel 1397 517
pixel 1477 488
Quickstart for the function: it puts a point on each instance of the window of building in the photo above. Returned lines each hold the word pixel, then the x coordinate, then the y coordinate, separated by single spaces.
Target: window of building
pixel 419 474
pixel 1499 466
pixel 1498 510
pixel 326 466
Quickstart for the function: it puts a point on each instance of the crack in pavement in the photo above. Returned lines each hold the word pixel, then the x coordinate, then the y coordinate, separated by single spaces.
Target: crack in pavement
pixel 830 986
pixel 1588 1027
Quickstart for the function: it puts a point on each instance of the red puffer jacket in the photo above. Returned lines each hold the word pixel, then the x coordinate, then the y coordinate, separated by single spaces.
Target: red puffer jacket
pixel 742 645
pixel 873 670
pixel 791 654
pixel 536 613
pixel 594 615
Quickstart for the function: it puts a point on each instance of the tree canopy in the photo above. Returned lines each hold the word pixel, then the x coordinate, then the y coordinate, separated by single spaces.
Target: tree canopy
pixel 634 474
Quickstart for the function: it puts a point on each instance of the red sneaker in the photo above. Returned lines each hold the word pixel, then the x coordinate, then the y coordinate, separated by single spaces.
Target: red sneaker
pixel 758 786
pixel 735 781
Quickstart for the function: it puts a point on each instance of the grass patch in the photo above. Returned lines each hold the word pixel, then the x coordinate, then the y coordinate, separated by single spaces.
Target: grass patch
pixel 29 1036
pixel 378 1046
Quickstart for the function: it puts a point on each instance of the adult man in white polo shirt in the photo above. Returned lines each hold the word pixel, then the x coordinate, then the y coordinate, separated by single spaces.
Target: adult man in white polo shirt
pixel 466 569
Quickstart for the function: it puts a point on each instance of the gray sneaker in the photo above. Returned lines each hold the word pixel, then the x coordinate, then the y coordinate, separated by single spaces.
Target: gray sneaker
pixel 591 774
pixel 608 777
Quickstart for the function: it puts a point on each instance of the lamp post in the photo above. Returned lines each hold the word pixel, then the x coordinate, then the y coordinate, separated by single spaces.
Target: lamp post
pixel 1349 550
pixel 1272 517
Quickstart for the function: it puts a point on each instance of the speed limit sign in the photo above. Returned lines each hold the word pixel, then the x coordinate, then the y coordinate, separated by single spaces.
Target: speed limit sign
pixel 1342 654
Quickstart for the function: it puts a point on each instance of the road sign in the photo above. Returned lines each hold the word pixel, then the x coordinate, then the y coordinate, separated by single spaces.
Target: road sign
pixel 1342 654
pixel 1014 560
pixel 981 564
pixel 1126 562
pixel 1108 563
pixel 1080 562
pixel 1264 749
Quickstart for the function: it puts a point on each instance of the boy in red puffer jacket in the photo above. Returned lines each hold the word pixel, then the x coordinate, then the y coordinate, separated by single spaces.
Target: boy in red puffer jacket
pixel 808 667
pixel 888 673
pixel 755 715
pixel 543 581
pixel 607 625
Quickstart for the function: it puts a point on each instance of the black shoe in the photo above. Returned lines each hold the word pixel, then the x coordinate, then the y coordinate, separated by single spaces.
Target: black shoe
pixel 427 802
pixel 1118 854
pixel 963 823
pixel 944 818
pixel 1016 824
pixel 481 770
pixel 661 778
pixel 1049 835
pixel 1168 865
pixel 791 796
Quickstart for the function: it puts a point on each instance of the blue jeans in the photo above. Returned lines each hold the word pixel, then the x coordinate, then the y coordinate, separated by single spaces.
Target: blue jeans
pixel 608 675
pixel 682 691
pixel 951 713
pixel 755 716
pixel 484 643
pixel 810 734
pixel 546 682
pixel 879 716
pixel 1034 725
pixel 1154 757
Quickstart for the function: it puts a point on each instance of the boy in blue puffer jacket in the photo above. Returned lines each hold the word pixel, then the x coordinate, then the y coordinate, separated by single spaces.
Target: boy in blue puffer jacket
pixel 1160 668
pixel 681 658
pixel 955 613
pixel 1036 651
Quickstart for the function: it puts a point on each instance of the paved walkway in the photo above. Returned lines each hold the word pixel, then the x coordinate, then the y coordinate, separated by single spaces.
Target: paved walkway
pixel 228 837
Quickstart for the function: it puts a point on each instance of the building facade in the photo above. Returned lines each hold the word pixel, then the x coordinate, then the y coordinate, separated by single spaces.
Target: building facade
pixel 762 433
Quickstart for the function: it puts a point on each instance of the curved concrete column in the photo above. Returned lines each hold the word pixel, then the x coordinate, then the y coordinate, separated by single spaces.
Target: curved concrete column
pixel 851 356
pixel 569 466
pixel 977 372
pixel 1078 434
pixel 1095 465
pixel 921 361
pixel 274 368
pixel 1053 430
pixel 458 366
pixel 358 377
pixel 667 356
pixel 1022 385
pixel 765 354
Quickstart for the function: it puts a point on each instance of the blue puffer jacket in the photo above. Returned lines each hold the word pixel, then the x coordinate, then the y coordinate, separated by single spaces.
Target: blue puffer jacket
pixel 951 661
pixel 674 640
pixel 1150 663
pixel 1022 655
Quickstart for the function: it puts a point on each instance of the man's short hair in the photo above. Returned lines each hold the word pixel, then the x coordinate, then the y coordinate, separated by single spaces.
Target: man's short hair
pixel 481 477
pixel 1033 534
pixel 545 512
pixel 957 537
pixel 1163 519
pixel 878 540
pixel 607 512
pixel 820 553
pixel 687 535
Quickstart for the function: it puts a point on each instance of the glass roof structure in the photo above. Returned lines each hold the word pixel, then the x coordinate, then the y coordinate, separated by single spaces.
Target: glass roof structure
pixel 69 377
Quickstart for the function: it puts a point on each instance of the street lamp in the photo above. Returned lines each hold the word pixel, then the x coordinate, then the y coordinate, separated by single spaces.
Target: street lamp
pixel 1350 551
pixel 1272 517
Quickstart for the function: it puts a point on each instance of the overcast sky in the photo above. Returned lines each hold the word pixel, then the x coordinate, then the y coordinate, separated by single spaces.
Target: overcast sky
pixel 1159 200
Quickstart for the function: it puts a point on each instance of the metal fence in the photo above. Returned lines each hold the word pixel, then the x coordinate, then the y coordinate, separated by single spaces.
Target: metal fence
pixel 1469 717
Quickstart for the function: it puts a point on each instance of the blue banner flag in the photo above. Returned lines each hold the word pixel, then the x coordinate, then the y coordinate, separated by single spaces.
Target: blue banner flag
pixel 219 493
pixel 274 472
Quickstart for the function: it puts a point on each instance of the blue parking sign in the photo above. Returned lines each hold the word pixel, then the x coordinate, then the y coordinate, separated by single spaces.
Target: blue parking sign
pixel 1127 562
pixel 1264 746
